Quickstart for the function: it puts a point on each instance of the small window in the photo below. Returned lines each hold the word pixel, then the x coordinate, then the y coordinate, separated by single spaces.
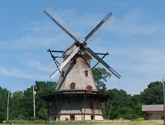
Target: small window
pixel 86 72
pixel 89 89
pixel 62 74
pixel 72 85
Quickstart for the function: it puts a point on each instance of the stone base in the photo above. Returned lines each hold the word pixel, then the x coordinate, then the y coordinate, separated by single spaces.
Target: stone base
pixel 75 118
pixel 74 108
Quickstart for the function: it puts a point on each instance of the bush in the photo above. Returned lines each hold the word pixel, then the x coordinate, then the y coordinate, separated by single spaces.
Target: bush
pixel 140 119
pixel 120 119
pixel 20 121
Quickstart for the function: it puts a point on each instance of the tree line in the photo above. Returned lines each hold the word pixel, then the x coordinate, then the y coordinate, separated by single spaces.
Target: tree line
pixel 123 105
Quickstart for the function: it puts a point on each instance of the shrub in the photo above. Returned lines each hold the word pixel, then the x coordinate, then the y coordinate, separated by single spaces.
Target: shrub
pixel 140 119
pixel 120 119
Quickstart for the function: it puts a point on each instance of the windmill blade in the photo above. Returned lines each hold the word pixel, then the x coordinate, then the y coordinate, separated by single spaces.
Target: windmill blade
pixel 54 73
pixel 99 62
pixel 96 28
pixel 61 23
pixel 100 28
pixel 103 62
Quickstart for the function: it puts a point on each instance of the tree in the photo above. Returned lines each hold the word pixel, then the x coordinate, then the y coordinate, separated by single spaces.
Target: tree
pixel 153 94
pixel 21 106
pixel 43 88
pixel 27 104
pixel 137 105
pixel 124 105
pixel 15 105
pixel 43 114
pixel 3 103
pixel 100 77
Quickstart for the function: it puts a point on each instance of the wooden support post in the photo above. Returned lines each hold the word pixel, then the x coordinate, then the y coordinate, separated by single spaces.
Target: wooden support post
pixel 56 106
pixel 110 110
pixel 84 105
pixel 107 108
pixel 94 111
pixel 164 100
pixel 34 108
pixel 48 111
pixel 8 106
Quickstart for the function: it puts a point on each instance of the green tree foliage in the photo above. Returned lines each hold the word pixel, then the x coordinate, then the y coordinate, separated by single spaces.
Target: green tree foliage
pixel 137 105
pixel 27 103
pixel 15 104
pixel 129 107
pixel 153 94
pixel 43 114
pixel 100 77
pixel 21 102
pixel 124 105
pixel 43 88
pixel 3 103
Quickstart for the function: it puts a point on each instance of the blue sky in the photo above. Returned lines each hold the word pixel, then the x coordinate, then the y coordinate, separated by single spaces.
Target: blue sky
pixel 135 41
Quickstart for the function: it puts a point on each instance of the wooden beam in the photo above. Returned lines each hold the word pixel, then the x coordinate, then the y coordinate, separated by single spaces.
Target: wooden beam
pixel 8 106
pixel 164 100
pixel 110 110
pixel 84 104
pixel 107 108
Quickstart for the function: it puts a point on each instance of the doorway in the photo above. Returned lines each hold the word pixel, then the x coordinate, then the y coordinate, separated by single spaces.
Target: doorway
pixel 72 117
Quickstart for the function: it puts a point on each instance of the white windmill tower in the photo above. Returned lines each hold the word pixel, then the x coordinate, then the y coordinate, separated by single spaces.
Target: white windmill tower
pixel 76 95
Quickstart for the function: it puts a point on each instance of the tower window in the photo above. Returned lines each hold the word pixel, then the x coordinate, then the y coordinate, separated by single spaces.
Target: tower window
pixel 72 85
pixel 62 74
pixel 89 89
pixel 86 72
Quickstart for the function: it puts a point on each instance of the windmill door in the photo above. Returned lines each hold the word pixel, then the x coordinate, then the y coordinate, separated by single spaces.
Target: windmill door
pixel 72 117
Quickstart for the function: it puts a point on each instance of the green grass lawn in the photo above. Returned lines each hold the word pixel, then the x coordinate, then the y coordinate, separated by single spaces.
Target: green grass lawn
pixel 144 122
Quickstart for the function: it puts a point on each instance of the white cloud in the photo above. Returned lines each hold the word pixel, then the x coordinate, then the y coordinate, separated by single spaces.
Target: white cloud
pixel 46 34
pixel 35 65
pixel 140 58
pixel 134 23
pixel 38 26
pixel 18 73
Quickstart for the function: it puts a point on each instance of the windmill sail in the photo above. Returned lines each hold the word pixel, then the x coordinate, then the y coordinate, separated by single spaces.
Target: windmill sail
pixel 61 23
pixel 104 63
pixel 53 74
pixel 100 28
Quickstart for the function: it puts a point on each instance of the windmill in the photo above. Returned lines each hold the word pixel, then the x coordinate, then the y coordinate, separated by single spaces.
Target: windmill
pixel 76 95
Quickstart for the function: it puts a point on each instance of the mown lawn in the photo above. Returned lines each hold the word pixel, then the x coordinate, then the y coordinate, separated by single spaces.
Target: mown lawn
pixel 144 122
